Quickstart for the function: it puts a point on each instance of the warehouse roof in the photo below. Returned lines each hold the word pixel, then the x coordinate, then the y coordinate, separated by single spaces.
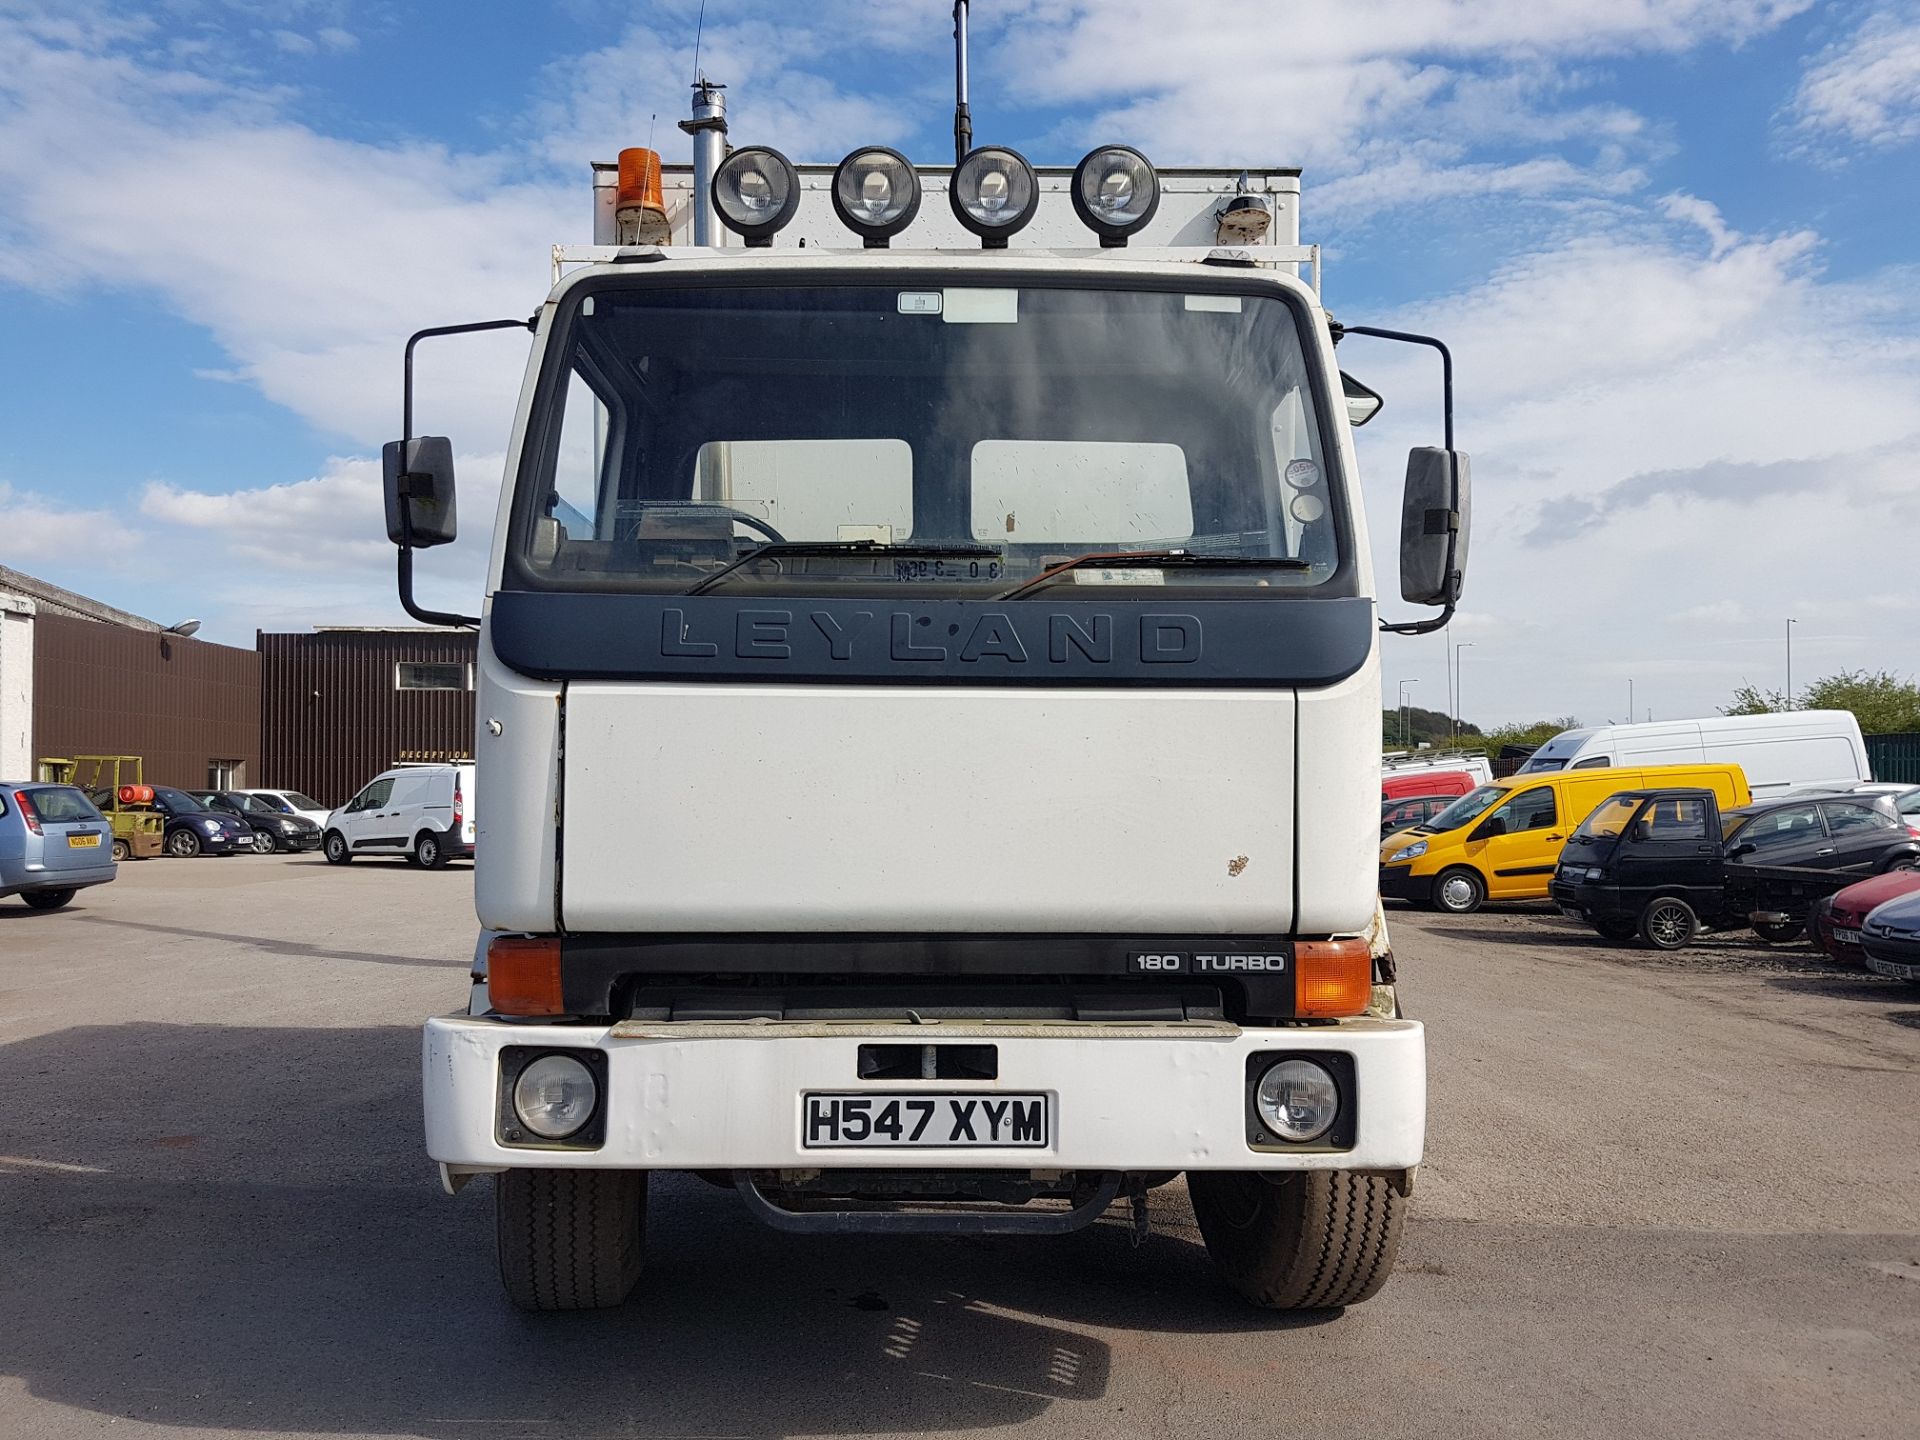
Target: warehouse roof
pixel 52 599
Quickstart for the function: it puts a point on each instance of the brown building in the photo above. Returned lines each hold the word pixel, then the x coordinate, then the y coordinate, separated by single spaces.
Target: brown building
pixel 340 705
pixel 106 682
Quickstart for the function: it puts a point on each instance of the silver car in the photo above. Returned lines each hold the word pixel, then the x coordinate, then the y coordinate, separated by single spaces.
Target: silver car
pixel 52 843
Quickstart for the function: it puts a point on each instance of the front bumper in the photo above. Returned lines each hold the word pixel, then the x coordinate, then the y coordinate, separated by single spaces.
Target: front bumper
pixel 1898 957
pixel 694 1095
pixel 1398 882
pixel 300 840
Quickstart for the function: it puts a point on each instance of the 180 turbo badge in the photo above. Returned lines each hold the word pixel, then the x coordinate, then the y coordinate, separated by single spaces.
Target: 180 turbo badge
pixel 1166 962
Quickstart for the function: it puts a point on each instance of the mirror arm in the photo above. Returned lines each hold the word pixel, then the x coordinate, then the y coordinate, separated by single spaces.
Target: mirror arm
pixel 405 576
pixel 1445 617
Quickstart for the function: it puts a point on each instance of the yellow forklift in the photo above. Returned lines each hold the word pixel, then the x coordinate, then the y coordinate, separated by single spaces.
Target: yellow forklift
pixel 117 786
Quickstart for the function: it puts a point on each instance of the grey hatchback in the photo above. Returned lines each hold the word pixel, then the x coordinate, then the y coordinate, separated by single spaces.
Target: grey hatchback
pixel 52 843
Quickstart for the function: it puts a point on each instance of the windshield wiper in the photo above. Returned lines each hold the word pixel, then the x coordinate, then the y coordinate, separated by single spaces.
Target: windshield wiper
pixel 775 549
pixel 1184 558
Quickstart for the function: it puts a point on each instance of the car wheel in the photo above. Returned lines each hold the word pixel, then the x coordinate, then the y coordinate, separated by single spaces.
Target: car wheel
pixel 1459 891
pixel 183 844
pixel 1781 933
pixel 428 852
pixel 1618 931
pixel 1668 923
pixel 1901 862
pixel 122 850
pixel 337 850
pixel 263 843
pixel 47 899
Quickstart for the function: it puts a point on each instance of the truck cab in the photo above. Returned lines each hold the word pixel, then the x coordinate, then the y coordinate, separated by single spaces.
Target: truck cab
pixel 926 702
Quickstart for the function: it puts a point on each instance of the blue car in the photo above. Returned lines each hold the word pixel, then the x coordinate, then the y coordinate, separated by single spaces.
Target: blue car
pixel 1890 938
pixel 52 843
pixel 196 828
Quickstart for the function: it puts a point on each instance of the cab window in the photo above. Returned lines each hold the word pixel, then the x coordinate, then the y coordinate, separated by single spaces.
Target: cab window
pixel 1676 820
pixel 374 796
pixel 1592 762
pixel 1529 810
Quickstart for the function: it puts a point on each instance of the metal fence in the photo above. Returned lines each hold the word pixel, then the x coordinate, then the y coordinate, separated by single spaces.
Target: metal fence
pixel 1895 757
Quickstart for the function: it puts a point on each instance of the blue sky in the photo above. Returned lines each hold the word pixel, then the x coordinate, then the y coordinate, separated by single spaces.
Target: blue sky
pixel 1670 241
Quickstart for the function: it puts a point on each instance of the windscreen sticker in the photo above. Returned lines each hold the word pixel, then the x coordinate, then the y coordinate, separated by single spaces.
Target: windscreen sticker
pixel 918 302
pixel 1223 304
pixel 1088 575
pixel 980 307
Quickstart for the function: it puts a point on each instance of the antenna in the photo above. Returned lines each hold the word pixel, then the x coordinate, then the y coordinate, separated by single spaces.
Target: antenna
pixel 962 120
pixel 698 29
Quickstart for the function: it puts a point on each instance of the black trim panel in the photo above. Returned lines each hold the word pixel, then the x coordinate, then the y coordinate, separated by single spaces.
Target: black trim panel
pixel 1167 641
pixel 1529 870
pixel 1258 967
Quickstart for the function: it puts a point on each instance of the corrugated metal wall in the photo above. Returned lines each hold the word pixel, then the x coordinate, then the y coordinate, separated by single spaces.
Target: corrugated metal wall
pixel 332 715
pixel 180 704
pixel 1895 757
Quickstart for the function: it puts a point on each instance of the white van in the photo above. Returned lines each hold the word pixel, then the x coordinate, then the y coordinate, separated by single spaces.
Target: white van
pixel 1416 762
pixel 424 812
pixel 1793 750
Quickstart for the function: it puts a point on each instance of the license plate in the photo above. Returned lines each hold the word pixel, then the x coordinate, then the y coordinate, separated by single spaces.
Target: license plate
pixel 83 842
pixel 883 1121
pixel 1846 937
pixel 1888 967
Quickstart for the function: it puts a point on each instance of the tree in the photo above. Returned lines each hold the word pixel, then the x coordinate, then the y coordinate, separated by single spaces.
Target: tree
pixel 1881 701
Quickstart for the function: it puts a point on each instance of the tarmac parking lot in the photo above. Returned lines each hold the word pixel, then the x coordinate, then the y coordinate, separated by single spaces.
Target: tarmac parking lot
pixel 1665 1195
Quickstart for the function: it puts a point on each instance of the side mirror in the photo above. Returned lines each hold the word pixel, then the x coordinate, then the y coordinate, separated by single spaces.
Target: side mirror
pixel 418 475
pixel 1745 847
pixel 1433 526
pixel 1639 832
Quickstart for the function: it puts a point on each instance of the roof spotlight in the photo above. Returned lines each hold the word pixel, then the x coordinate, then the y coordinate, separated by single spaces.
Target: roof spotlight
pixel 994 193
pixel 1115 192
pixel 876 194
pixel 756 190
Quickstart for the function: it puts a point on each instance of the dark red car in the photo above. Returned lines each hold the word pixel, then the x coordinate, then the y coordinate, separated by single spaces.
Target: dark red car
pixel 1836 920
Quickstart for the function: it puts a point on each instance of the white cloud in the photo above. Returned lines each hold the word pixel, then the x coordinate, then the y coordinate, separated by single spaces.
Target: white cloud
pixel 1866 88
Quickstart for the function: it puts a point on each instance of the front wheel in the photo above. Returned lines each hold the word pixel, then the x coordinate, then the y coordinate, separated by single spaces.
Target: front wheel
pixel 1300 1240
pixel 262 843
pixel 1668 923
pixel 183 844
pixel 569 1239
pixel 1618 931
pixel 1459 891
pixel 1779 934
pixel 338 852
pixel 48 899
pixel 122 851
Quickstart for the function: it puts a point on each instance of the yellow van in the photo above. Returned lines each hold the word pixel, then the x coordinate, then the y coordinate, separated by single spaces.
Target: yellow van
pixel 1502 841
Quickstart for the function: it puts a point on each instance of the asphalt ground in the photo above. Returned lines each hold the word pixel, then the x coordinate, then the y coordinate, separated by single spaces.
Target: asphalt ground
pixel 1665 1195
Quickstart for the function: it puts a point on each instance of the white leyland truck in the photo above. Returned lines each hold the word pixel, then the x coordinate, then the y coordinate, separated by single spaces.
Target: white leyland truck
pixel 929 716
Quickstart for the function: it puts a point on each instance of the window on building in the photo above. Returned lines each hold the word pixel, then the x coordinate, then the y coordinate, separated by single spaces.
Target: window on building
pixel 418 675
pixel 225 774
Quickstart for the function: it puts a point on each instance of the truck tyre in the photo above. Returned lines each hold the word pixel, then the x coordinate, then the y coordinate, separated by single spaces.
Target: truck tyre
pixel 1618 931
pixel 1300 1240
pixel 1459 891
pixel 1781 933
pixel 122 851
pixel 429 851
pixel 1668 923
pixel 47 899
pixel 183 844
pixel 569 1239
pixel 338 852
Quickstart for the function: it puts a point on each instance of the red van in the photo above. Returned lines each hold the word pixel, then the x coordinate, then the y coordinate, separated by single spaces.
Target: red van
pixel 1425 782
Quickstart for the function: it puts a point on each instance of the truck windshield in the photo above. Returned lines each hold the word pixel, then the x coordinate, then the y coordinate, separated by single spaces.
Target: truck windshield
pixel 956 439
pixel 1610 819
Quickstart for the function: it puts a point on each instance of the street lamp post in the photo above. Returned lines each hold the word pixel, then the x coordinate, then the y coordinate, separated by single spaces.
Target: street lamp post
pixel 1404 742
pixel 1629 700
pixel 1790 625
pixel 1459 701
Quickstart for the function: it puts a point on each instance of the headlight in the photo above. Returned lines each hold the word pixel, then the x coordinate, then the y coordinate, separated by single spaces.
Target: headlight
pixel 212 827
pixel 756 191
pixel 994 193
pixel 876 193
pixel 1409 852
pixel 1297 1100
pixel 1595 872
pixel 1115 192
pixel 554 1096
